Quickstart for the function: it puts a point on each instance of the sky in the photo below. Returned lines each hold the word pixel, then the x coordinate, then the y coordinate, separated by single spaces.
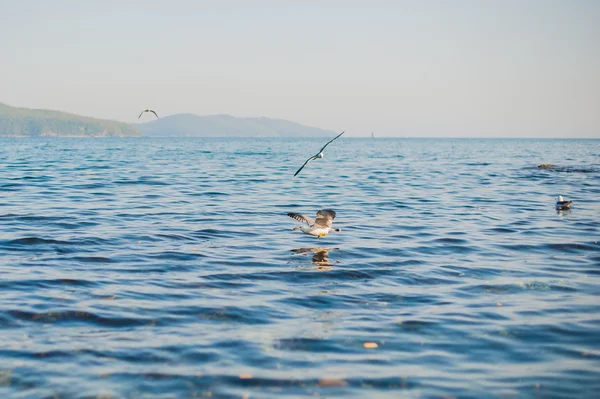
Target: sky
pixel 460 68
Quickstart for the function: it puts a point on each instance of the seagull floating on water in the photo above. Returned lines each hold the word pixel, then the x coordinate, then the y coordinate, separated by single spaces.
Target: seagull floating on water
pixel 562 204
pixel 320 227
pixel 148 110
pixel 319 154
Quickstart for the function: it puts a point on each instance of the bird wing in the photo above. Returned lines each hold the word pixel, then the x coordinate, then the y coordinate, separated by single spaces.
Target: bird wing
pixel 141 113
pixel 301 218
pixel 154 114
pixel 330 141
pixel 325 217
pixel 302 167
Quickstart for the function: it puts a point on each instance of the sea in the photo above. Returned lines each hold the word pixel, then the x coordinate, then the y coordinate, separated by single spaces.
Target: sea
pixel 168 268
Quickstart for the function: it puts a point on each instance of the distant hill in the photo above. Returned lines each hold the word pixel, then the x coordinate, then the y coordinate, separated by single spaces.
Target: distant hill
pixel 190 125
pixel 25 122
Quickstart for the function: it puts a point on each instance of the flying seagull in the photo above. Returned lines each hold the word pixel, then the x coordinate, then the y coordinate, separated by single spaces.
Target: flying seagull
pixel 561 204
pixel 320 227
pixel 148 110
pixel 319 154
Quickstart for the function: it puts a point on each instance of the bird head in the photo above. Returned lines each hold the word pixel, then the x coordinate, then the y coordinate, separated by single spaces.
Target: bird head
pixel 320 155
pixel 560 198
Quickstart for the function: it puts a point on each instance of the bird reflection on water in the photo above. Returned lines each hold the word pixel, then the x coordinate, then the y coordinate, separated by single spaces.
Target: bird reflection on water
pixel 320 256
pixel 563 212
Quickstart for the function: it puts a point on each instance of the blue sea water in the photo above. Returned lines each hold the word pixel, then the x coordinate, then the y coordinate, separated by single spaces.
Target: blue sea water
pixel 167 268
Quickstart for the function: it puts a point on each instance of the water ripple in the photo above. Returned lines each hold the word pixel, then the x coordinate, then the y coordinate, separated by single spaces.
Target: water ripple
pixel 168 268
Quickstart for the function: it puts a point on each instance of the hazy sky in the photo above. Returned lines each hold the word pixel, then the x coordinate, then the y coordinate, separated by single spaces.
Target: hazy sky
pixel 398 68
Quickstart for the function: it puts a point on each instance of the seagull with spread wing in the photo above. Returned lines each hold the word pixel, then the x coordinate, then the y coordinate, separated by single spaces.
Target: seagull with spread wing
pixel 320 227
pixel 148 110
pixel 319 154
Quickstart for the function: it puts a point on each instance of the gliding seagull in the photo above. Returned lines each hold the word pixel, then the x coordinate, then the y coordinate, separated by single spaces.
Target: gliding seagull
pixel 148 110
pixel 319 155
pixel 320 227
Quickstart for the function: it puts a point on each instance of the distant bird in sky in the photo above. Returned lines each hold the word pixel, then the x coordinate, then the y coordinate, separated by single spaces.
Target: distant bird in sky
pixel 561 204
pixel 148 110
pixel 319 154
pixel 320 227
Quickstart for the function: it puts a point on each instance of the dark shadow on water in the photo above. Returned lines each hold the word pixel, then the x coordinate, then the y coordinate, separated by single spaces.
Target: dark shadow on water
pixel 320 256
pixel 564 169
